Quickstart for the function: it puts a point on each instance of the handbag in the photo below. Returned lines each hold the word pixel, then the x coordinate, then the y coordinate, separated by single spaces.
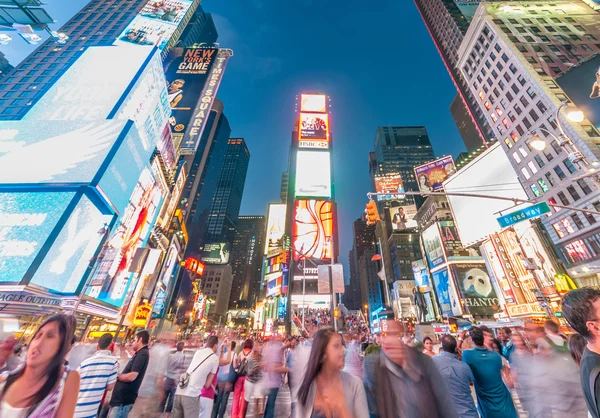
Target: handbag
pixel 184 379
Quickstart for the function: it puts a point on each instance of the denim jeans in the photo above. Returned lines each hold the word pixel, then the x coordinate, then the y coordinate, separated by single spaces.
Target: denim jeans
pixel 221 399
pixel 120 411
pixel 169 395
pixel 270 407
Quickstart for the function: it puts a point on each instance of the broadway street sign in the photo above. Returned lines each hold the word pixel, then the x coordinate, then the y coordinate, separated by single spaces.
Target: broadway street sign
pixel 530 212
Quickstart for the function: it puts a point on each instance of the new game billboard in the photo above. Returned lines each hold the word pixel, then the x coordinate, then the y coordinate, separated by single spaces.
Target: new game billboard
pixel 215 253
pixel 582 85
pixel 431 176
pixel 275 227
pixel 476 289
pixel 402 217
pixel 313 174
pixel 314 130
pixel 391 185
pixel 186 76
pixel 312 236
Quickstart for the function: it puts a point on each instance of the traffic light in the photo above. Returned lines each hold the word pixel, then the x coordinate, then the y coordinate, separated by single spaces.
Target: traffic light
pixel 372 214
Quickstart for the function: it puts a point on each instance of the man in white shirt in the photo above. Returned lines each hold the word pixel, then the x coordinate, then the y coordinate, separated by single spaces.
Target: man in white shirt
pixel 202 371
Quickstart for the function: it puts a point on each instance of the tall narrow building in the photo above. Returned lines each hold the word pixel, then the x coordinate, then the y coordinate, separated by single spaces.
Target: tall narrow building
pixel 246 261
pixel 200 29
pixel 5 66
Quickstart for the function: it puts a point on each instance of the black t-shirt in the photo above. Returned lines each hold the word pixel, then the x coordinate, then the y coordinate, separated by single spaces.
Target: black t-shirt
pixel 125 393
pixel 589 362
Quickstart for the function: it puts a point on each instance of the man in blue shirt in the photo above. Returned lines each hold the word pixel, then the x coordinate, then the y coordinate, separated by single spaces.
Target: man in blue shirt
pixel 507 344
pixel 493 398
pixel 458 378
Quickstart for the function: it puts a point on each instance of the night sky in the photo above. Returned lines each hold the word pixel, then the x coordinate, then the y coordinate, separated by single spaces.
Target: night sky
pixel 378 65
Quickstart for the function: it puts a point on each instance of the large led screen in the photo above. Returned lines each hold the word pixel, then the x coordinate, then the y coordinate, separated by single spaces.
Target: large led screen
pixel 476 289
pixel 215 253
pixel 433 246
pixel 66 264
pixel 314 130
pixel 431 176
pixel 275 227
pixel 312 236
pixel 313 174
pixel 490 174
pixel 402 217
pixel 391 186
pixel 315 103
pixel 92 86
pixel 583 88
pixel 186 75
pixel 26 220
pixel 421 274
pixel 155 23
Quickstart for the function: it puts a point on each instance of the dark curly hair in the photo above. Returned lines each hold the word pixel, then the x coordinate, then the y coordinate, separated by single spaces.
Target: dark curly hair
pixel 578 309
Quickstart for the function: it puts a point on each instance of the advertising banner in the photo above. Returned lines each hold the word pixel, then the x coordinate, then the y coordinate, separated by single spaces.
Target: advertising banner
pixel 498 272
pixel 312 236
pixel 476 288
pixel 538 257
pixel 402 217
pixel 433 246
pixel 421 274
pixel 510 273
pixel 337 278
pixel 510 243
pixel 215 253
pixel 313 174
pixel 391 185
pixel 155 23
pixel 274 282
pixel 313 103
pixel 275 227
pixel 431 176
pixel 186 76
pixel 452 244
pixel 193 133
pixel 582 85
pixel 314 130
pixel 446 293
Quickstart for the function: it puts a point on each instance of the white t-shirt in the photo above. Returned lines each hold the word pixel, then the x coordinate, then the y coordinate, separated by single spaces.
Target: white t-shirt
pixel 198 377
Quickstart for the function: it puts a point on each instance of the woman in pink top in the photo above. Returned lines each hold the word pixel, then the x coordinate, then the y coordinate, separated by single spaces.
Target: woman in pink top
pixel 238 409
pixel 207 396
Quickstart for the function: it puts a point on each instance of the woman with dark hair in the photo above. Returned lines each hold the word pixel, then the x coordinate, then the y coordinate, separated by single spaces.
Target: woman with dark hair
pixel 428 347
pixel 240 364
pixel 44 387
pixel 326 391
pixel 576 345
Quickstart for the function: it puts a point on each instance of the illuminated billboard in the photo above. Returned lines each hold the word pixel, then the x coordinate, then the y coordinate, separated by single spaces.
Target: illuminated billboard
pixel 155 23
pixel 215 253
pixel 192 136
pixel 391 185
pixel 26 220
pixel 313 103
pixel 402 217
pixel 312 236
pixel 433 246
pixel 446 293
pixel 475 217
pixel 452 244
pixel 421 274
pixel 186 75
pixel 314 130
pixel 582 86
pixel 273 284
pixel 476 288
pixel 313 174
pixel 431 176
pixel 275 227
pixel 91 88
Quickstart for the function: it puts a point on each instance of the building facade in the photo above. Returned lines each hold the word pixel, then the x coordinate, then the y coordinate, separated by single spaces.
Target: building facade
pixel 515 58
pixel 246 261
pixel 5 66
pixel 200 29
pixel 467 129
pixel 216 285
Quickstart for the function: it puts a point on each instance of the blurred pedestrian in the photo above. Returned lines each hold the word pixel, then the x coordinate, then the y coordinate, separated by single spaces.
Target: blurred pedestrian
pixel 14 360
pixel 98 375
pixel 507 345
pixel 225 380
pixel 428 347
pixel 493 398
pixel 176 366
pixel 44 387
pixel 273 363
pixel 251 388
pixel 7 345
pixel 241 368
pixel 207 396
pixel 200 374
pixel 129 381
pixel 553 340
pixel 327 391
pixel 458 378
pixel 402 382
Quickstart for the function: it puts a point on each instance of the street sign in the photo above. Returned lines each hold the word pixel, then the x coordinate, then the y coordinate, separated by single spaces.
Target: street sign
pixel 522 215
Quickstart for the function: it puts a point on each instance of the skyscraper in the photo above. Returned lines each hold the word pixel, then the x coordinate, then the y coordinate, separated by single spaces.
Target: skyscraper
pixel 225 207
pixel 97 24
pixel 246 261
pixel 363 241
pixel 5 66
pixel 200 29
pixel 464 123
pixel 398 150
pixel 447 22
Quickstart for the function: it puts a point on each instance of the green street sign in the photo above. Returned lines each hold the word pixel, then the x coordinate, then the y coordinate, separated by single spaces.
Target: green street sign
pixel 530 212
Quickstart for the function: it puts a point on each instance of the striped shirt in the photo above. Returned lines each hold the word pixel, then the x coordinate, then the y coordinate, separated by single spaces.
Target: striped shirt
pixel 97 372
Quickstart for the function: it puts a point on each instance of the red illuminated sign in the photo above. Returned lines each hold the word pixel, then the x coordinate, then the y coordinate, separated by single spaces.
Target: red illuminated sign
pixel 194 266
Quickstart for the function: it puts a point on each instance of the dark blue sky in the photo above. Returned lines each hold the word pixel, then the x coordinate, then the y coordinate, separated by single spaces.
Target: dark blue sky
pixel 377 63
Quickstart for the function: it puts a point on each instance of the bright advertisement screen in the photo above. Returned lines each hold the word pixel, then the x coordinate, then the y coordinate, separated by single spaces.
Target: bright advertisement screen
pixel 431 176
pixel 313 174
pixel 274 283
pixel 312 236
pixel 314 130
pixel 92 86
pixel 452 244
pixel 66 264
pixel 55 151
pixel 391 185
pixel 476 288
pixel 186 75
pixel 215 253
pixel 421 274
pixel 155 23
pixel 491 174
pixel 315 103
pixel 26 220
pixel 446 293
pixel 402 217
pixel 433 246
pixel 275 227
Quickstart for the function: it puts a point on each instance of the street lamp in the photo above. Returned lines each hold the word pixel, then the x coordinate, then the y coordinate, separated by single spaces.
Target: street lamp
pixel 179 303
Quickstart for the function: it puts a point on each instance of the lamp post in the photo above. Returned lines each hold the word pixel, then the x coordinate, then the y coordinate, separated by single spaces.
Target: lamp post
pixel 179 303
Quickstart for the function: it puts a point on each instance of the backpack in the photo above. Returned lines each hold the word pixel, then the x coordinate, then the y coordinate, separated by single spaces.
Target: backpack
pixel 184 379
pixel 242 369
